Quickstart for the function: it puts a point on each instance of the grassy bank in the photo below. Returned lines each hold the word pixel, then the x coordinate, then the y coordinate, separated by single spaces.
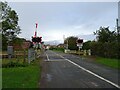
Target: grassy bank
pixel 114 63
pixel 22 77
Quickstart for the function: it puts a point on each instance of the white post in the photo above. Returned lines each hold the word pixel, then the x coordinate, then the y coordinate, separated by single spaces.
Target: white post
pixel 79 50
pixel 67 44
pixel 89 52
pixel 85 52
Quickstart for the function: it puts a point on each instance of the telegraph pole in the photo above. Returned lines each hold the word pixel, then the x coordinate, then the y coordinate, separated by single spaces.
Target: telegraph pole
pixel 118 20
pixel 118 28
pixel 67 44
pixel 66 47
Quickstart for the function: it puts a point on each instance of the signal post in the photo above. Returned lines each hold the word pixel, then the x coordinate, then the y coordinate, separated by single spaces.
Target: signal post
pixel 79 44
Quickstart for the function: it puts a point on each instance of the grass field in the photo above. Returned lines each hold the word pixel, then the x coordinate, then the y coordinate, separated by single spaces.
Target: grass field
pixel 58 49
pixel 22 77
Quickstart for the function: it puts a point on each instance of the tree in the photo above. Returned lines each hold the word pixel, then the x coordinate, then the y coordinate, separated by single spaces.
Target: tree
pixel 107 44
pixel 72 45
pixel 4 42
pixel 9 18
pixel 105 35
pixel 86 45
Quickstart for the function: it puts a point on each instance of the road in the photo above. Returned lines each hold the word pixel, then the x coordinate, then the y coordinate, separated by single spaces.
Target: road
pixel 60 70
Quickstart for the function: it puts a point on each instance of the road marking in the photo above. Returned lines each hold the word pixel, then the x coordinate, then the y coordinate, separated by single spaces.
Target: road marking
pixel 95 84
pixel 100 77
pixel 47 57
pixel 54 60
pixel 49 77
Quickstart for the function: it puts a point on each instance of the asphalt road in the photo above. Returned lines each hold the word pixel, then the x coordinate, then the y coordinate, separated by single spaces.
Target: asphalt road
pixel 60 70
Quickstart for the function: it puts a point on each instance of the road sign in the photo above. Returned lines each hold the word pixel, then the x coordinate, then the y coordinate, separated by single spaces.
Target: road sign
pixel 79 41
pixel 79 44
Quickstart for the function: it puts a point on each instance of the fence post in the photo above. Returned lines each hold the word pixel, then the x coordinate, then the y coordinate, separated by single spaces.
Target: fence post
pixel 85 52
pixel 24 55
pixel 89 52
pixel 29 55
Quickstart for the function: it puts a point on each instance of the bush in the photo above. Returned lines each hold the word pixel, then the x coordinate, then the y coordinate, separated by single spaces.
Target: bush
pixel 14 64
pixel 107 49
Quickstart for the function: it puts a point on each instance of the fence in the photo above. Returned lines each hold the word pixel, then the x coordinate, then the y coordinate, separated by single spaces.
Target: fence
pixel 82 52
pixel 21 56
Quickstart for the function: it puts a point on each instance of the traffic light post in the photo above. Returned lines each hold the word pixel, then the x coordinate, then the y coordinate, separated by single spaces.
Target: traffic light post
pixel 36 40
pixel 36 44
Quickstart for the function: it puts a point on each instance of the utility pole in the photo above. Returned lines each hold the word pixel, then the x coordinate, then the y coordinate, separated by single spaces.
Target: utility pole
pixel 118 32
pixel 64 40
pixel 118 20
pixel 67 44
pixel 118 28
pixel 66 47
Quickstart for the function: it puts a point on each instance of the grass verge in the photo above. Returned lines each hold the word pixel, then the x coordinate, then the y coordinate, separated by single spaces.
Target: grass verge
pixel 58 49
pixel 22 77
pixel 114 63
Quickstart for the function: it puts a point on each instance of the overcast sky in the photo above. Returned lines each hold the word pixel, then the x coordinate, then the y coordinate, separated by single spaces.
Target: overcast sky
pixel 56 19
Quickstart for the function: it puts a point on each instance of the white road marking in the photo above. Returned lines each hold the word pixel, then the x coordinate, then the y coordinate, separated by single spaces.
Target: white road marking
pixel 54 60
pixel 95 84
pixel 100 77
pixel 47 57
pixel 49 77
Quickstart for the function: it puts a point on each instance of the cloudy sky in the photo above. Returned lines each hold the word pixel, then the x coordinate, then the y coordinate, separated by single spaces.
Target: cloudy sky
pixel 56 19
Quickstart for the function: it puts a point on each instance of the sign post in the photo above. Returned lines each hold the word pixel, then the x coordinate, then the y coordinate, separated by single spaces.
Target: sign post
pixel 79 44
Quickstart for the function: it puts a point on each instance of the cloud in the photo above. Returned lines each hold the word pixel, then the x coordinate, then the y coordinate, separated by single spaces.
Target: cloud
pixel 69 19
pixel 61 0
pixel 87 37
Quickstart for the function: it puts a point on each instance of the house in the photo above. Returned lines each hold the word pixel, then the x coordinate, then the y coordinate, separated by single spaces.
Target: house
pixel 60 45
pixel 25 45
